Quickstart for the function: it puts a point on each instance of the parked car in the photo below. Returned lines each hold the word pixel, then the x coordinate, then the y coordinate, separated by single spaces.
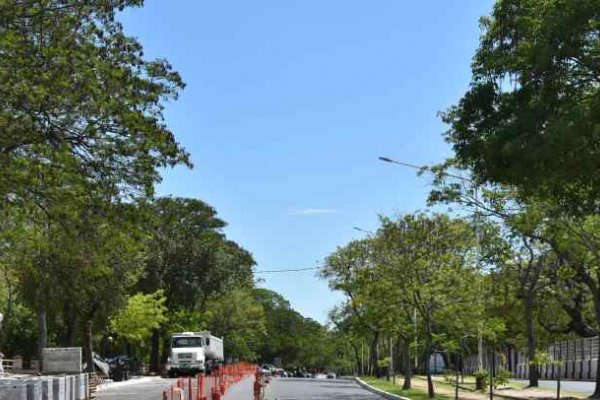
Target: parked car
pixel 119 368
pixel 331 375
pixel 267 369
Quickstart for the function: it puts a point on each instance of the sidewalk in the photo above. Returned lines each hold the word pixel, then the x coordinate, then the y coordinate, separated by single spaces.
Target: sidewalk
pixel 445 389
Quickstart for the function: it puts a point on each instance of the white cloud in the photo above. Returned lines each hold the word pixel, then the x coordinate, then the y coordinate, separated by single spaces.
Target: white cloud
pixel 313 211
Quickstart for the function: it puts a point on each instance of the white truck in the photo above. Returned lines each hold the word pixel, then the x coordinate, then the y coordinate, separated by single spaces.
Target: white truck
pixel 193 352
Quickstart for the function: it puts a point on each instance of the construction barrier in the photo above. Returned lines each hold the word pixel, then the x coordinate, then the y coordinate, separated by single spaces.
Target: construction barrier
pixel 209 387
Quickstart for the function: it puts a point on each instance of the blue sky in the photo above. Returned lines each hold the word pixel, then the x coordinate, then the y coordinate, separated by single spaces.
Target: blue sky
pixel 288 105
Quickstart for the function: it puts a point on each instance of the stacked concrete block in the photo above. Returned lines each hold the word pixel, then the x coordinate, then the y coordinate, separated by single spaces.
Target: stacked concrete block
pixel 34 389
pixel 81 386
pixel 59 388
pixel 47 390
pixel 13 389
pixel 62 360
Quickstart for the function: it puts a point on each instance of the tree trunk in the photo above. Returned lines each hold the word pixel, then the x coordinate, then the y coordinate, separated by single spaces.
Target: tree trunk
pixel 87 347
pixel 375 354
pixel 531 341
pixel 155 352
pixel 165 351
pixel 407 366
pixel 357 358
pixel 70 325
pixel 430 390
pixel 42 340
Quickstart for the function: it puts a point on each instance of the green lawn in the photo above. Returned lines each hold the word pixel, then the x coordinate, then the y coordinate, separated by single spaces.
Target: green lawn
pixel 413 394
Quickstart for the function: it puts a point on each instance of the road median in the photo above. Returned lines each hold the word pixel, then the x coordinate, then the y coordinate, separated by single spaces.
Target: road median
pixel 380 392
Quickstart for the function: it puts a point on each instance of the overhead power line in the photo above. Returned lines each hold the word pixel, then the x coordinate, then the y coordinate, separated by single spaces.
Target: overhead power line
pixel 273 271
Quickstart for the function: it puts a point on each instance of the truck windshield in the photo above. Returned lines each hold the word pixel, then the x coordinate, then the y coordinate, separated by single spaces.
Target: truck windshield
pixel 187 342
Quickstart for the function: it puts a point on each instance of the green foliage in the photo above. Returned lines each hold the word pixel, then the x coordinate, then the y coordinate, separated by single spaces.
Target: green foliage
pixel 501 377
pixel 143 314
pixel 300 342
pixel 531 114
pixel 78 97
pixel 413 394
pixel 240 320
pixel 384 362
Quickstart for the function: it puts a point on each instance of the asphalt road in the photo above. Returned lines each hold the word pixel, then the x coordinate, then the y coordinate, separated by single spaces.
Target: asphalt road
pixel 321 389
pixel 584 387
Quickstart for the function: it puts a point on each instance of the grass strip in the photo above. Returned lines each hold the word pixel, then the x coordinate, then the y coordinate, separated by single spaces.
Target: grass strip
pixel 414 394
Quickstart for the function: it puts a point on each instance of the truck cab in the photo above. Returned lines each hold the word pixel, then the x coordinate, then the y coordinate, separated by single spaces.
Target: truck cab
pixel 186 355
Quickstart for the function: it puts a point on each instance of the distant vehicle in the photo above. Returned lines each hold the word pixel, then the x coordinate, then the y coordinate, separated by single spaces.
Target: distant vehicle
pixel 193 352
pixel 331 375
pixel 119 368
pixel 271 368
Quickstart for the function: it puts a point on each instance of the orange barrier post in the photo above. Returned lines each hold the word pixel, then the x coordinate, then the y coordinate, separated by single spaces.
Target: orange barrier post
pixel 201 395
pixel 215 394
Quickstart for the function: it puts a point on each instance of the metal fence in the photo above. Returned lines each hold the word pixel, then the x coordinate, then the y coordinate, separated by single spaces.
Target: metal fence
pixel 578 359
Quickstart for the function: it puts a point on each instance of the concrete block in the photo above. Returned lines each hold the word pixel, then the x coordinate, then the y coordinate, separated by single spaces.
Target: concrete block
pixel 59 388
pixel 34 389
pixel 47 389
pixel 62 360
pixel 81 383
pixel 13 390
pixel 70 387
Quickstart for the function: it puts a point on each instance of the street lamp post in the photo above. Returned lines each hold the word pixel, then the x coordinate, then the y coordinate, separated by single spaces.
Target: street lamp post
pixel 477 233
pixel 460 348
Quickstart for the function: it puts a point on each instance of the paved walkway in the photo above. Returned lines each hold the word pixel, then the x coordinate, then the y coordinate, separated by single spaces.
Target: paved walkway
pixel 543 392
pixel 583 387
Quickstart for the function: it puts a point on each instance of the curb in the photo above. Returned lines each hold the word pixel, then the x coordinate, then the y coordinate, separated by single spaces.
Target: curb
pixel 133 381
pixel 379 392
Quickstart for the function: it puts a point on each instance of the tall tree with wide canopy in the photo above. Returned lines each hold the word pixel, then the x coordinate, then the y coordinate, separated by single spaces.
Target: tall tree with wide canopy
pixel 78 96
pixel 531 117
pixel 190 259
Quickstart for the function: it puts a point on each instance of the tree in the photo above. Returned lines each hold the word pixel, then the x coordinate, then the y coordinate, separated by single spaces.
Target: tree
pixel 352 270
pixel 143 314
pixel 531 116
pixel 240 320
pixel 78 96
pixel 431 262
pixel 191 260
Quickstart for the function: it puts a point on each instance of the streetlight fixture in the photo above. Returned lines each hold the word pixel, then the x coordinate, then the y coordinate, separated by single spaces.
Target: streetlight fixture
pixel 356 228
pixel 422 168
pixel 477 232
